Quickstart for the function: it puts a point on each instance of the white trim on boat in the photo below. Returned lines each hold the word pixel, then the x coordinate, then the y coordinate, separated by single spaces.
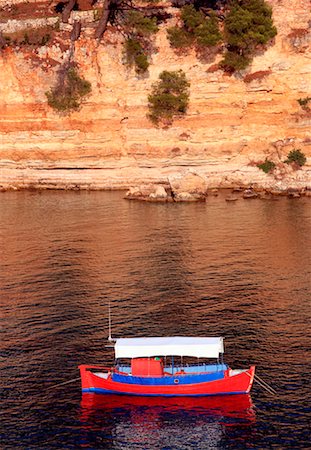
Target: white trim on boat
pixel 101 375
pixel 236 372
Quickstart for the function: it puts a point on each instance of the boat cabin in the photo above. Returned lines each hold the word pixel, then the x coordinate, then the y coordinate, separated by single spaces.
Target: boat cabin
pixel 147 367
pixel 159 357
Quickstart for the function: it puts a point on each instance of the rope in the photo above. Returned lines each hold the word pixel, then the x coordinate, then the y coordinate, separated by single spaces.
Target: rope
pixel 264 387
pixel 264 383
pixel 65 382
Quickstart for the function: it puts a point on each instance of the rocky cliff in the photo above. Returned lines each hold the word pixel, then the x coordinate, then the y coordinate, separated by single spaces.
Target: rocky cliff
pixel 232 123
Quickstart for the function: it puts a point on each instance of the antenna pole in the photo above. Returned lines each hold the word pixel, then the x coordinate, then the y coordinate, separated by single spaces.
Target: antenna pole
pixel 109 322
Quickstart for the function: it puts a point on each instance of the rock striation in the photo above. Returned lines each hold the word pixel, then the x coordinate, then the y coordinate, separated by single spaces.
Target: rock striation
pixel 233 122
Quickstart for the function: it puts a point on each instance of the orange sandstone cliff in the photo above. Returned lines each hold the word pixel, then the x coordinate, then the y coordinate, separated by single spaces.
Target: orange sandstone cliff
pixel 233 122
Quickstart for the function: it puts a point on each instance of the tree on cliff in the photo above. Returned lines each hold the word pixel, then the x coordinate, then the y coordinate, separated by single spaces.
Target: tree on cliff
pixel 242 26
pixel 138 30
pixel 169 97
pixel 197 29
pixel 247 26
pixel 69 91
pixel 113 12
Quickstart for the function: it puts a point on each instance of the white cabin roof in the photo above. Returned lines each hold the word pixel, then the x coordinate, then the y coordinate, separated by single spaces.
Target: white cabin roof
pixel 200 347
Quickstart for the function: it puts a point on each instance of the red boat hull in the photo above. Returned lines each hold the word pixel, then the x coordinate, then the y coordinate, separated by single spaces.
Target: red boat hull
pixel 240 383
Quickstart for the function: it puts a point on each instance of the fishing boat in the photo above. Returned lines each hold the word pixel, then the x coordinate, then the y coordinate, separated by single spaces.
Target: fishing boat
pixel 168 366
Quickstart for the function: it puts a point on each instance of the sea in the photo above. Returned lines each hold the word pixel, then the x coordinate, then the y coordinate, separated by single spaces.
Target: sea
pixel 241 270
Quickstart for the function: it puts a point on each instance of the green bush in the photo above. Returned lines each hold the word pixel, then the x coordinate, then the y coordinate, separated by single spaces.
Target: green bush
pixel 296 156
pixel 304 103
pixel 247 25
pixel 234 61
pixel 179 37
pixel 169 97
pixel 45 39
pixel 197 28
pixel 191 18
pixel 208 34
pixel 136 23
pixel 137 45
pixel 31 37
pixel 141 63
pixel 267 166
pixel 134 55
pixel 69 91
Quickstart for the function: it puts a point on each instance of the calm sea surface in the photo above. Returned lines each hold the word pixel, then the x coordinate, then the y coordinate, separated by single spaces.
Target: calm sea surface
pixel 241 270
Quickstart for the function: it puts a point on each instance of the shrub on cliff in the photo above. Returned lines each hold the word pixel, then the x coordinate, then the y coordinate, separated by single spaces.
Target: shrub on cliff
pixel 31 38
pixel 247 25
pixel 297 157
pixel 196 29
pixel 135 22
pixel 304 103
pixel 179 38
pixel 135 56
pixel 267 166
pixel 233 61
pixel 137 46
pixel 68 94
pixel 169 97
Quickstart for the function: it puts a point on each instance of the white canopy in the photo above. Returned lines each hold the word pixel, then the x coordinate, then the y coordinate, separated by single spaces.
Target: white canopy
pixel 206 347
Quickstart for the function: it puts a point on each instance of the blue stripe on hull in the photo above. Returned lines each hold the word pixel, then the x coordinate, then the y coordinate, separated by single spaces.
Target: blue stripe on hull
pixel 169 380
pixel 106 391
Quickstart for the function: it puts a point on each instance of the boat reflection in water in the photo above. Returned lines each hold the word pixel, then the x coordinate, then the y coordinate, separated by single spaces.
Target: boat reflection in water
pixel 174 422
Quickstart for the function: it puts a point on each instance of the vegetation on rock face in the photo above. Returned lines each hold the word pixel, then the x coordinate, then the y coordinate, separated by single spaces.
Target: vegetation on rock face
pixel 247 25
pixel 267 166
pixel 137 46
pixel 136 23
pixel 304 103
pixel 242 26
pixel 179 38
pixel 233 61
pixel 113 13
pixel 297 157
pixel 196 29
pixel 134 54
pixel 69 91
pixel 30 37
pixel 169 97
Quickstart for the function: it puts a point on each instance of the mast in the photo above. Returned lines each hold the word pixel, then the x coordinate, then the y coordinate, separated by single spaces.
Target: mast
pixel 109 322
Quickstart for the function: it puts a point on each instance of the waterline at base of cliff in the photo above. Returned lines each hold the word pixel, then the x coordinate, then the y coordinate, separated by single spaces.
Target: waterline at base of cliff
pixel 143 177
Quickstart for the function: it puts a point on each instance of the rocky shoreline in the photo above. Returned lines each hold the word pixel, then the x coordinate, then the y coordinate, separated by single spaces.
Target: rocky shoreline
pixel 190 187
pixel 155 182
pixel 160 194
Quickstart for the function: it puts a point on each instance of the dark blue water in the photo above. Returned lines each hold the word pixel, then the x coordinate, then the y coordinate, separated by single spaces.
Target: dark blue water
pixel 241 270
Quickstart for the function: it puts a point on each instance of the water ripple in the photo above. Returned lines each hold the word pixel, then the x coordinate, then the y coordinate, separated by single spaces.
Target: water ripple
pixel 242 271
